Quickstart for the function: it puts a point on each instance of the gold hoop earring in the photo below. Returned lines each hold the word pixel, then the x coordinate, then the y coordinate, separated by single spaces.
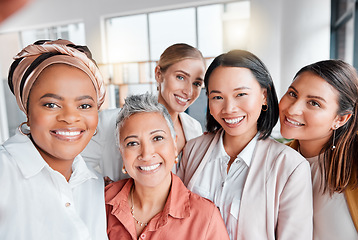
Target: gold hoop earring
pixel 124 171
pixel 21 131
pixel 264 107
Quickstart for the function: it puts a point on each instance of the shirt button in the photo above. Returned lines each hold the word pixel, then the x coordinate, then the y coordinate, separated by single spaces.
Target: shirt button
pixel 142 236
pixel 67 204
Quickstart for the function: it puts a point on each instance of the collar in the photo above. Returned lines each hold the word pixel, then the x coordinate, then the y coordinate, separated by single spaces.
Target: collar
pixel 25 154
pixel 177 204
pixel 30 162
pixel 245 155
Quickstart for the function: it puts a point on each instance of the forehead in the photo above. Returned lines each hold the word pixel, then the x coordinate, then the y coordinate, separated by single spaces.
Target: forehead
pixel 310 84
pixel 232 77
pixel 57 75
pixel 143 123
pixel 188 63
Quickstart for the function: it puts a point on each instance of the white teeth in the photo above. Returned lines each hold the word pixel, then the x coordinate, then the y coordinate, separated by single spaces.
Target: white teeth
pixel 149 168
pixel 233 120
pixel 293 122
pixel 68 133
pixel 182 99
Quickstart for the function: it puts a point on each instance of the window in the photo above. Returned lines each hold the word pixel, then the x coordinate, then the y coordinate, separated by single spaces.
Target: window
pixel 344 31
pixel 135 42
pixel 74 32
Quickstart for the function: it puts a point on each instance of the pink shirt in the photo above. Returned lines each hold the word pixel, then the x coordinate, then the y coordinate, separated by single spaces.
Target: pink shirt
pixel 186 215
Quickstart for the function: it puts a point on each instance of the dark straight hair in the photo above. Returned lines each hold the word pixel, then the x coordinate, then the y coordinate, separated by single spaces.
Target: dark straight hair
pixel 240 58
pixel 339 167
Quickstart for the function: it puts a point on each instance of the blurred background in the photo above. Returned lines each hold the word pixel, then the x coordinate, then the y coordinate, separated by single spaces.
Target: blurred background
pixel 127 37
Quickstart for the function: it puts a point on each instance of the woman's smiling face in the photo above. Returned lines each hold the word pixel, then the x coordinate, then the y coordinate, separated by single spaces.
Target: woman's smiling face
pixel 180 84
pixel 62 112
pixel 235 100
pixel 308 110
pixel 148 148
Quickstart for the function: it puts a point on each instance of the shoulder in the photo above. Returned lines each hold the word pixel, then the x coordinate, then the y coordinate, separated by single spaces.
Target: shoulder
pixel 108 115
pixel 191 126
pixel 278 149
pixel 111 190
pixel 188 119
pixel 205 139
pixel 281 158
pixel 196 202
pixel 107 123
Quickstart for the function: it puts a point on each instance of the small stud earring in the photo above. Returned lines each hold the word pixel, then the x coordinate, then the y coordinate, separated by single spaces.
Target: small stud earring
pixel 176 160
pixel 124 171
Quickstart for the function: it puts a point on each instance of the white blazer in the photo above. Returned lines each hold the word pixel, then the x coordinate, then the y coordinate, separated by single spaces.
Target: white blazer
pixel 102 152
pixel 276 201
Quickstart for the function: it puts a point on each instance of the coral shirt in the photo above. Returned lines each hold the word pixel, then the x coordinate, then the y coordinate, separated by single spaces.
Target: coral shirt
pixel 186 215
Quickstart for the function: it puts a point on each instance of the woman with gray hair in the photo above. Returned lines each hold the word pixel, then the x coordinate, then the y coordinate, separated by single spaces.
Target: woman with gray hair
pixel 154 203
pixel 180 77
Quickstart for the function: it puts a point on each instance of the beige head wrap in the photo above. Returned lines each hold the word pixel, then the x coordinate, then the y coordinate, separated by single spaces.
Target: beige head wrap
pixel 33 59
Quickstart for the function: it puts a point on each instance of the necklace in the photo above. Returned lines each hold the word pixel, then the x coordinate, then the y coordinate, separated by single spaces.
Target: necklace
pixel 132 212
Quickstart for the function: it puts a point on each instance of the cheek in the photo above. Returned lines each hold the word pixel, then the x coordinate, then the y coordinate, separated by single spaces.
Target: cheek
pixel 128 157
pixel 282 104
pixel 92 120
pixel 196 92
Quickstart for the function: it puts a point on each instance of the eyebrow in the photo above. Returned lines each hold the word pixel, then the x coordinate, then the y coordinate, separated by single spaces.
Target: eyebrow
pixel 152 132
pixel 84 97
pixel 310 96
pixel 158 130
pixel 51 95
pixel 188 75
pixel 235 89
pixel 130 136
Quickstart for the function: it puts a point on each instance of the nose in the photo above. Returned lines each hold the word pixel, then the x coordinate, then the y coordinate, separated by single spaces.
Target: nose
pixel 295 108
pixel 147 152
pixel 229 106
pixel 69 115
pixel 188 89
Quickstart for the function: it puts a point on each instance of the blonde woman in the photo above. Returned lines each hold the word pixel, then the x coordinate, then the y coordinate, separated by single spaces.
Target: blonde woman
pixel 180 77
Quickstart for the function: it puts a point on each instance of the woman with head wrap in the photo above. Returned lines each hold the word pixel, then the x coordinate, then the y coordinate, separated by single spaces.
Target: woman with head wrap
pixel 47 190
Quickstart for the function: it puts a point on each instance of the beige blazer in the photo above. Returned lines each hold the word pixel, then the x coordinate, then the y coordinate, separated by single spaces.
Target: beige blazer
pixel 276 201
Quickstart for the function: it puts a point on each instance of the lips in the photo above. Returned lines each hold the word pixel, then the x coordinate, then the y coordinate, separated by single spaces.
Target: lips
pixel 233 120
pixel 293 122
pixel 150 168
pixel 182 100
pixel 67 135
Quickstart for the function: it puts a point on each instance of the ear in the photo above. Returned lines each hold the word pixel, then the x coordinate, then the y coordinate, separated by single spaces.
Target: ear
pixel 175 145
pixel 158 74
pixel 339 121
pixel 264 95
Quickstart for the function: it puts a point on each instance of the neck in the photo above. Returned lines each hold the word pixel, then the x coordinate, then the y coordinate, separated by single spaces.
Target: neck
pixel 311 148
pixel 235 144
pixel 62 166
pixel 151 199
pixel 174 115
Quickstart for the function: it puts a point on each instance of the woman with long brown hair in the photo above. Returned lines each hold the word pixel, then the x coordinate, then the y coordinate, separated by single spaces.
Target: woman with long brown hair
pixel 319 111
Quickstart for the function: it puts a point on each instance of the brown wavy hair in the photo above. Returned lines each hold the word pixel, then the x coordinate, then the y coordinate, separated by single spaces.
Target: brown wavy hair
pixel 339 167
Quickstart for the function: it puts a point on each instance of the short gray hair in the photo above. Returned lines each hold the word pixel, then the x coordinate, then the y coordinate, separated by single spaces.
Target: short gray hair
pixel 142 103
